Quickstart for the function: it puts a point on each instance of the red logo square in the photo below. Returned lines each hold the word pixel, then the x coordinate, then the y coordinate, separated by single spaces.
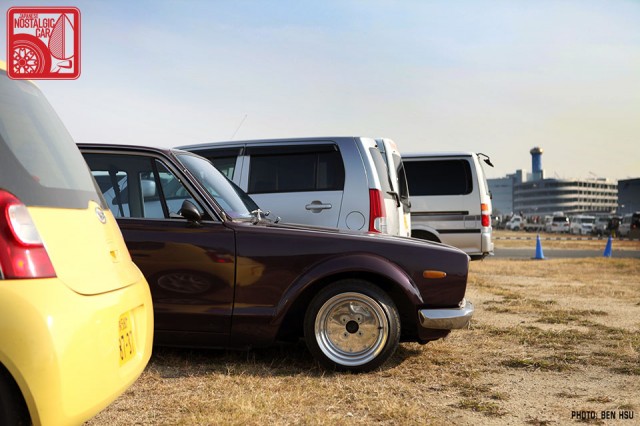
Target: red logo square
pixel 43 43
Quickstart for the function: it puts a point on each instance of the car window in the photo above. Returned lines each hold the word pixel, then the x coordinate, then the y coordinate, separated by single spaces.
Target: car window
pixel 218 186
pixel 39 162
pixel 226 165
pixel 296 172
pixel 138 186
pixel 440 177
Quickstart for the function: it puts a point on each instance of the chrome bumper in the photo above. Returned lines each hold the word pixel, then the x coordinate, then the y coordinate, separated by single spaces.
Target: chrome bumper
pixel 446 319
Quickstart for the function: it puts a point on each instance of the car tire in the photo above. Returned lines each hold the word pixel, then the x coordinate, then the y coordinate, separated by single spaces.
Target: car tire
pixel 13 410
pixel 352 325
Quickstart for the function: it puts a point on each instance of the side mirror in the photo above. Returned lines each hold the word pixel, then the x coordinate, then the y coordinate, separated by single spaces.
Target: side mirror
pixel 190 212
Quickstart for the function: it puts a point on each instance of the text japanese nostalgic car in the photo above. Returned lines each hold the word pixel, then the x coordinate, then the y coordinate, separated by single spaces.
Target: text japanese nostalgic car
pixel 224 276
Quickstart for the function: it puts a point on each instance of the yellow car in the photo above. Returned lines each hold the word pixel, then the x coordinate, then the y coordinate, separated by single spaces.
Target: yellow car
pixel 76 319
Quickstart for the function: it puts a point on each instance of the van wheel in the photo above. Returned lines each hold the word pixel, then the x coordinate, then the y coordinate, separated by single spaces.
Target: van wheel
pixel 13 410
pixel 352 325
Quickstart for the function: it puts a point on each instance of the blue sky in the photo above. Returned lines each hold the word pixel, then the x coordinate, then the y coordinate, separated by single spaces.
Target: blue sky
pixel 498 77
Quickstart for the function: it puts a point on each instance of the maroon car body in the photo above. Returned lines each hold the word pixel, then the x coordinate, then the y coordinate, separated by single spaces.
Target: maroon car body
pixel 223 277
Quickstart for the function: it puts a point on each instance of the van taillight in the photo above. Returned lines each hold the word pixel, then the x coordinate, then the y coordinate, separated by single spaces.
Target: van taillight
pixel 377 213
pixel 22 252
pixel 485 215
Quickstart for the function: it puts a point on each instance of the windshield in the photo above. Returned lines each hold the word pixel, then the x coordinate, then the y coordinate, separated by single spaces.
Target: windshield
pixel 39 161
pixel 217 185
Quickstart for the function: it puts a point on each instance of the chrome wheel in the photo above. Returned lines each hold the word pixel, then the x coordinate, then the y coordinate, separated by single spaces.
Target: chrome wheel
pixel 351 329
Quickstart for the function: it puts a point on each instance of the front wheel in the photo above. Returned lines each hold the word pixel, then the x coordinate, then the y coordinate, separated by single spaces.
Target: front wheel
pixel 352 325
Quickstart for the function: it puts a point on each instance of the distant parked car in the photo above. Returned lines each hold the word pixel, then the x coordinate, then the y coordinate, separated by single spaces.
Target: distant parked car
pixel 222 276
pixel 581 224
pixel 601 226
pixel 629 225
pixel 514 224
pixel 76 321
pixel 557 224
pixel 342 182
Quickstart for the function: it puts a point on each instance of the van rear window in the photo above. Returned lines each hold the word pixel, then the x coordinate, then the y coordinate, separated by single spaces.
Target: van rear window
pixel 439 177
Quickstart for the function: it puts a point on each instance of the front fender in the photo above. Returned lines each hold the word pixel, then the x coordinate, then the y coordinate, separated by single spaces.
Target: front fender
pixel 351 265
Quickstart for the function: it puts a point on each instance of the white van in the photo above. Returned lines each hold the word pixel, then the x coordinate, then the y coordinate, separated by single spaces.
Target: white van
pixel 340 182
pixel 514 224
pixel 557 223
pixel 582 224
pixel 450 200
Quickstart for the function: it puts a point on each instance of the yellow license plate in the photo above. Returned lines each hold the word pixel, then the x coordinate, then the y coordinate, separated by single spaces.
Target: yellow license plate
pixel 126 341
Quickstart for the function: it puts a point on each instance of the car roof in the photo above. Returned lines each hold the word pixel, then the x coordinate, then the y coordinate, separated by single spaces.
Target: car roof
pixel 274 140
pixel 438 154
pixel 132 148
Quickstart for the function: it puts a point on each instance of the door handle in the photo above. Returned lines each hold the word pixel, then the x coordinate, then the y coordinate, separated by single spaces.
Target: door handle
pixel 317 206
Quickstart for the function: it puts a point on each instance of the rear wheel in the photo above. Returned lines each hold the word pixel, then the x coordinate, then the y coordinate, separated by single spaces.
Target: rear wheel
pixel 352 325
pixel 13 410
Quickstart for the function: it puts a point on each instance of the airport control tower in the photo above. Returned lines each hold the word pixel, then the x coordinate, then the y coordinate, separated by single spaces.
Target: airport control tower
pixel 536 163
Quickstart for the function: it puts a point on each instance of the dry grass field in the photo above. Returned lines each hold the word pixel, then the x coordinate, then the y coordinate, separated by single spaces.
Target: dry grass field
pixel 550 339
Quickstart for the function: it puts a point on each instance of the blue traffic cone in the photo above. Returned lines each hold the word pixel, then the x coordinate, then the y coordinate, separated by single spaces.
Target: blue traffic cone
pixel 539 253
pixel 607 249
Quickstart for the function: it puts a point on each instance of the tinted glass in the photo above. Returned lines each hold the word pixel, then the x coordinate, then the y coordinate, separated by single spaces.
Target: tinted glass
pixel 218 186
pixel 439 177
pixel 39 162
pixel 313 171
pixel 226 165
pixel 137 186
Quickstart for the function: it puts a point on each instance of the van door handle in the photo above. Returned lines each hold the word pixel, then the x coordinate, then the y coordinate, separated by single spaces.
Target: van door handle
pixel 317 206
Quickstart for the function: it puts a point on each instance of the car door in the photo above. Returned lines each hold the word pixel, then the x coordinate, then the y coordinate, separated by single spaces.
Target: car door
pixel 299 183
pixel 190 270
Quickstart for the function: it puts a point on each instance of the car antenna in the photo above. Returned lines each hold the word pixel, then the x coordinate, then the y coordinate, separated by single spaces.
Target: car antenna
pixel 486 159
pixel 239 125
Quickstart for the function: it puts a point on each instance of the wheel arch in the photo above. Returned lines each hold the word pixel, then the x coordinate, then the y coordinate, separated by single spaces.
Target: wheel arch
pixel 428 234
pixel 377 271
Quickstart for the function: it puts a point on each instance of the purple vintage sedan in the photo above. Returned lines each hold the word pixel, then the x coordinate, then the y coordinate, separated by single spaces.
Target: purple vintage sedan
pixel 224 274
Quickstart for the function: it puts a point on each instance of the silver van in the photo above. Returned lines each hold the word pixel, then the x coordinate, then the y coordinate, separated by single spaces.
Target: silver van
pixel 450 200
pixel 340 182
